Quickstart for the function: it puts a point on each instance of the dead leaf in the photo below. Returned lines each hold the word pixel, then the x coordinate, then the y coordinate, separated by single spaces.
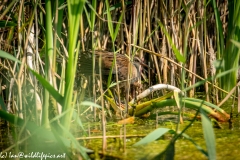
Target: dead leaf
pixel 129 120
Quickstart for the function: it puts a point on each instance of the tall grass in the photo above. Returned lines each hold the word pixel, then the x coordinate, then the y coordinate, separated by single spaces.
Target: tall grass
pixel 231 53
pixel 51 94
pixel 181 36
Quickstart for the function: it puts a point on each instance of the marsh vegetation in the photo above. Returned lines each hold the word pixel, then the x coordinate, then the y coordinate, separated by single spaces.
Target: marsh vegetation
pixel 89 79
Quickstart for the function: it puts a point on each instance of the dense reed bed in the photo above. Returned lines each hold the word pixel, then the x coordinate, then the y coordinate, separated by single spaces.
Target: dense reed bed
pixel 191 45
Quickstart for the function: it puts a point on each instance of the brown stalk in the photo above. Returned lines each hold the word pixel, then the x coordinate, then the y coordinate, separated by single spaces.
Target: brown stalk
pixel 202 44
pixel 151 43
pixel 193 57
pixel 175 63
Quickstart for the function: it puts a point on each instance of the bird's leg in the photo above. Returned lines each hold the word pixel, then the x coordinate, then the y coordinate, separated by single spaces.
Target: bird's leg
pixel 126 98
pixel 131 95
pixel 115 97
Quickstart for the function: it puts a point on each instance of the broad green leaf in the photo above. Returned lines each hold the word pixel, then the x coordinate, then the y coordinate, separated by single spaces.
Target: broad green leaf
pixel 59 98
pixel 152 136
pixel 57 117
pixel 236 43
pixel 32 127
pixel 218 64
pixel 76 117
pixel 75 9
pixel 41 132
pixel 88 103
pixel 6 55
pixel 208 135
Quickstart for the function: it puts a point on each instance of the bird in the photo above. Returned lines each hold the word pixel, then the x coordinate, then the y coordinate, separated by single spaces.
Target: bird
pixel 122 64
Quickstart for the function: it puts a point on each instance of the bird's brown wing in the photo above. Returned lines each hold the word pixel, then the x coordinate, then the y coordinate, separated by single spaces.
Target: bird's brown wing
pixel 85 64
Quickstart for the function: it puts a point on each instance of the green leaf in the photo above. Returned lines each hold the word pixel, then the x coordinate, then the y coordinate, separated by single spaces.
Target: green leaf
pixel 59 98
pixel 113 103
pixel 114 84
pixel 176 97
pixel 6 55
pixel 118 27
pixel 208 135
pixel 152 136
pixel 219 64
pixel 93 14
pixel 78 120
pixel 87 16
pixel 196 145
pixel 177 53
pixel 88 103
pixel 75 143
pixel 2 104
pixel 63 6
pixel 7 24
pixel 45 133
pixel 219 28
pixel 32 127
pixel 205 103
pixel 109 18
pixel 118 5
pixel 236 43
pixel 191 103
pixel 168 153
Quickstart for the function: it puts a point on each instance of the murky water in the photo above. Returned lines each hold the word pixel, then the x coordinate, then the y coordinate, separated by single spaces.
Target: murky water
pixel 227 140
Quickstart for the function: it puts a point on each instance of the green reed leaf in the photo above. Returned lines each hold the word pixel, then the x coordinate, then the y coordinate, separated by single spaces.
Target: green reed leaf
pixel 152 136
pixel 6 55
pixel 177 53
pixel 208 135
pixel 59 98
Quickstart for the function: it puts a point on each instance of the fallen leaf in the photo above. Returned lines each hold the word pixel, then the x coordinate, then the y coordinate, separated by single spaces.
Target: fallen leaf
pixel 129 120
